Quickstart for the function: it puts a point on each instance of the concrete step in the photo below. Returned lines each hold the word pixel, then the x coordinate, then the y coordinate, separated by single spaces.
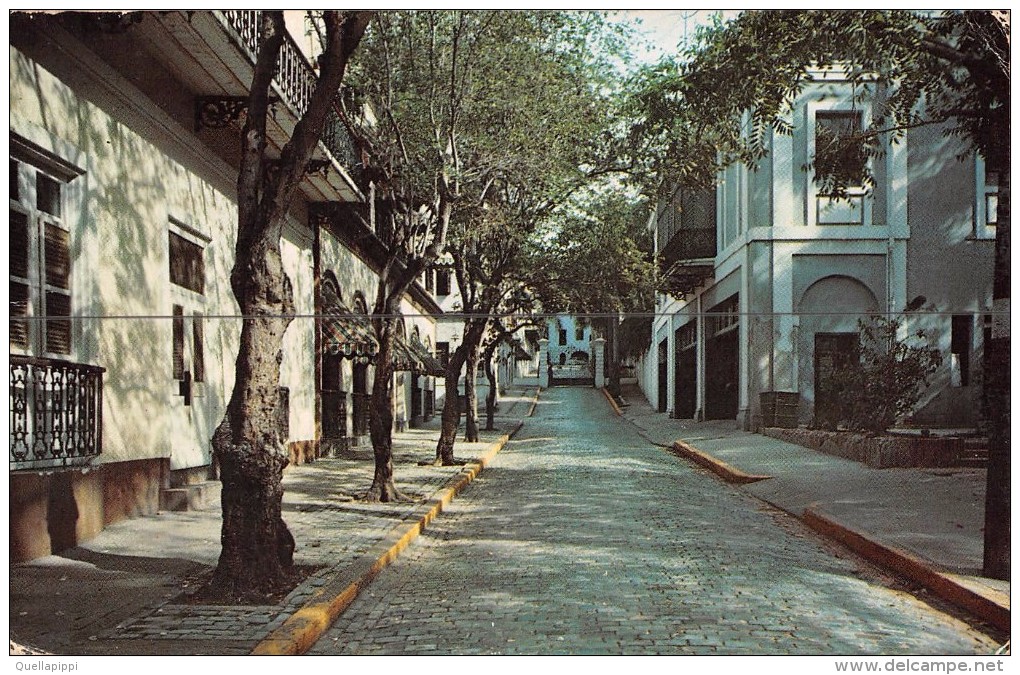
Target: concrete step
pixel 192 497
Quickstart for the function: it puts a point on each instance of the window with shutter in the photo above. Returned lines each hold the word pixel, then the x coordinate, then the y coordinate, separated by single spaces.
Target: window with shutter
pixel 40 263
pixel 178 342
pixel 186 268
pixel 198 350
pixel 20 298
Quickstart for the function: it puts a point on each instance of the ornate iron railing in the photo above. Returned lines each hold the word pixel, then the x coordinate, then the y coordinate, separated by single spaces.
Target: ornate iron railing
pixel 689 244
pixel 295 78
pixel 56 413
pixel 686 226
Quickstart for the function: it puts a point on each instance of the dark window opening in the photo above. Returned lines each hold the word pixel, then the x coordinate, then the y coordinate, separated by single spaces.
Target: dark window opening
pixel 563 336
pixel 198 348
pixel 15 190
pixel 47 195
pixel 960 346
pixel 840 155
pixel 443 353
pixel 187 264
pixel 442 282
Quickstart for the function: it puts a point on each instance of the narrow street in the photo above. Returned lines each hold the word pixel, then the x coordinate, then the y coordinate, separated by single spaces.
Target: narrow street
pixel 582 538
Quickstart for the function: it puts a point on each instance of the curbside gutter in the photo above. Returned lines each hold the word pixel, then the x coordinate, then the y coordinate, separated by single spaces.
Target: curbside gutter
pixel 985 603
pixel 717 466
pixel 612 401
pixel 534 402
pixel 299 632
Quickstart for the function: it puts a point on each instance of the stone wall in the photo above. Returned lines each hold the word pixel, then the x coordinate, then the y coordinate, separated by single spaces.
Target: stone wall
pixel 880 452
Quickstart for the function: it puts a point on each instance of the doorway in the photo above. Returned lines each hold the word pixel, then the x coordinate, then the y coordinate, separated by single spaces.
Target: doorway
pixel 686 382
pixel 833 353
pixel 663 375
pixel 722 361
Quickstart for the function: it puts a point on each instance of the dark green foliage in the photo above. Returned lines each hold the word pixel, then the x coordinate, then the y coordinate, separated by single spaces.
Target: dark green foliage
pixel 719 103
pixel 881 380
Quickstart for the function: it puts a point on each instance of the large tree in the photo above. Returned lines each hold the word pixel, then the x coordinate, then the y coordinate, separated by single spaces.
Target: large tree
pixel 257 545
pixel 410 80
pixel 719 103
pixel 554 104
pixel 482 111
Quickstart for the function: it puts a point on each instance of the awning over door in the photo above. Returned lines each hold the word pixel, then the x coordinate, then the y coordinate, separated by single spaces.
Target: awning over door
pixel 351 335
pixel 430 365
pixel 348 334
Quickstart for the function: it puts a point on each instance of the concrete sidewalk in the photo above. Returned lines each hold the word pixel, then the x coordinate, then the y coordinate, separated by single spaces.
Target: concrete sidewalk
pixel 926 524
pixel 126 591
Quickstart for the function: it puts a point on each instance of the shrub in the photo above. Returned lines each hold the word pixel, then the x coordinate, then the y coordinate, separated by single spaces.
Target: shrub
pixel 882 378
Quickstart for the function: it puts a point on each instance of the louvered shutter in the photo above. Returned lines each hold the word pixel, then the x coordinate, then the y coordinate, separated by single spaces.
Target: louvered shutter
pixel 19 290
pixel 178 342
pixel 198 348
pixel 57 256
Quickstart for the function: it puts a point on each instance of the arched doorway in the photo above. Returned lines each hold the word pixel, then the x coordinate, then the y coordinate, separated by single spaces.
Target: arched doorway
pixel 829 312
pixel 360 396
pixel 332 396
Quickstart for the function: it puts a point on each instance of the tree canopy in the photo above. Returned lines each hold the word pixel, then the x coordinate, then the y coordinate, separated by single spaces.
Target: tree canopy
pixel 719 102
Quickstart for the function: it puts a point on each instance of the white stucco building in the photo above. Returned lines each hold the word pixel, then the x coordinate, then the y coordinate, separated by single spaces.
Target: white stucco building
pixel 123 159
pixel 775 274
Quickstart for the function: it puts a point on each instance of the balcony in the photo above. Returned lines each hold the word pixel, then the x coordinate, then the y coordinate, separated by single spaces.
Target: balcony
pixel 56 413
pixel 685 226
pixel 295 80
pixel 686 239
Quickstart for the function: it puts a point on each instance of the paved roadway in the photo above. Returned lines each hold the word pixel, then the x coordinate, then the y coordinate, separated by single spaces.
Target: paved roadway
pixel 581 538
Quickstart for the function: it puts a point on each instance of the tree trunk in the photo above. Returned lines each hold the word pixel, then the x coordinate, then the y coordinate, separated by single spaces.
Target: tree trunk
pixel 471 395
pixel 997 383
pixel 490 397
pixel 473 331
pixel 613 354
pixel 257 547
pixel 381 417
pixel 451 409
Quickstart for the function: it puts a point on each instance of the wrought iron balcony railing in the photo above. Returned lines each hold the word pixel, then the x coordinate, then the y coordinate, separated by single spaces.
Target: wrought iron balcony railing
pixel 296 79
pixel 56 413
pixel 686 226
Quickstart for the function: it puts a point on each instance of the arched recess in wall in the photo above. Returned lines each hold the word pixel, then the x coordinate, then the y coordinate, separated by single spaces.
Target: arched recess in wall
pixel 332 397
pixel 837 299
pixel 358 303
pixel 329 291
pixel 359 385
pixel 828 311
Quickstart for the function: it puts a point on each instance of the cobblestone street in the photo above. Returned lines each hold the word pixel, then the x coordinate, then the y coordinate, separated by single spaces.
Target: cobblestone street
pixel 582 538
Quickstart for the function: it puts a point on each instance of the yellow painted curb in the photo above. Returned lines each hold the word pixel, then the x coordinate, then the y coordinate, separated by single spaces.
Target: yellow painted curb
pixel 612 401
pixel 717 466
pixel 299 632
pixel 991 606
pixel 534 402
